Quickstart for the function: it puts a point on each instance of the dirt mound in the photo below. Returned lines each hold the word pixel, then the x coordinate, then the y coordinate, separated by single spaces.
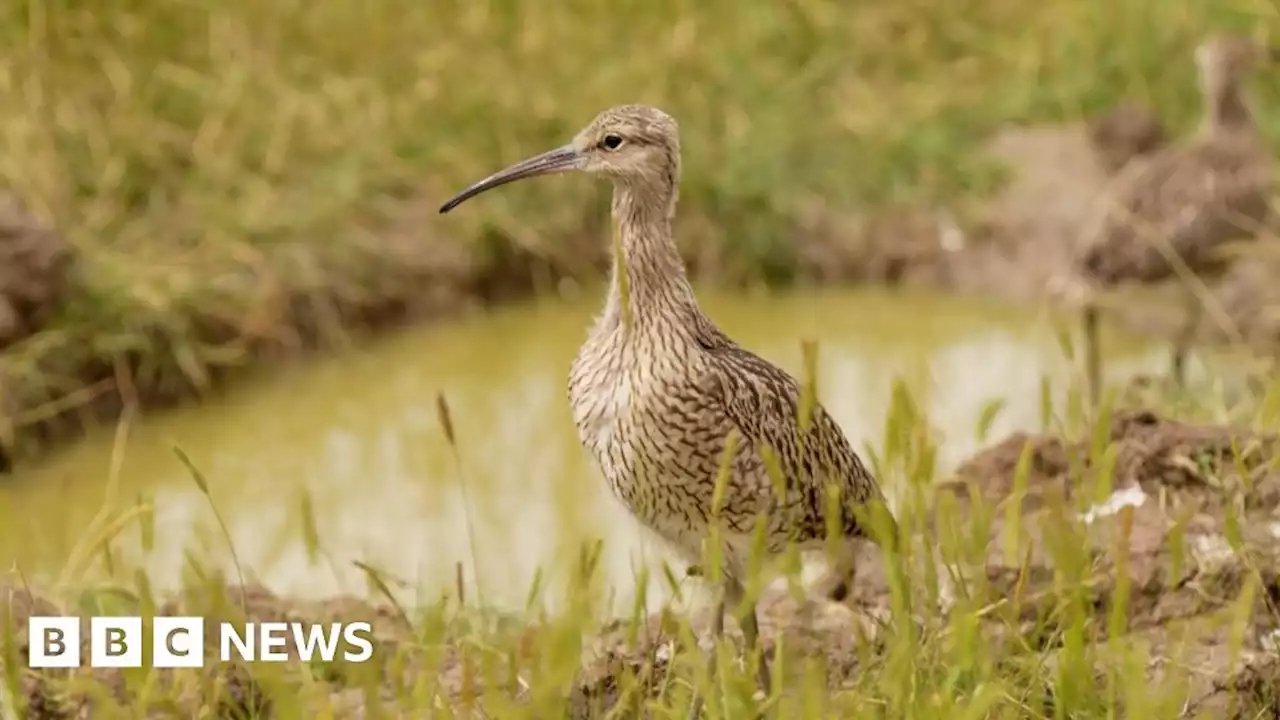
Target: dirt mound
pixel 1191 465
pixel 1194 517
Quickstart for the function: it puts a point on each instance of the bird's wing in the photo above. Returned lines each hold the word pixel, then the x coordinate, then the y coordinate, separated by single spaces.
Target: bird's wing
pixel 763 403
pixel 1189 200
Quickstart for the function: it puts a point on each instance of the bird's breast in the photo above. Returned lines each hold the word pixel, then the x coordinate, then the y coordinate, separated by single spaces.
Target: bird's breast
pixel 618 393
pixel 600 391
pixel 600 409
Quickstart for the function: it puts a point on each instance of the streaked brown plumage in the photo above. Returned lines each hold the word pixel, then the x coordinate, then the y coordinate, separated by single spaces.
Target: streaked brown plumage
pixel 1188 200
pixel 657 387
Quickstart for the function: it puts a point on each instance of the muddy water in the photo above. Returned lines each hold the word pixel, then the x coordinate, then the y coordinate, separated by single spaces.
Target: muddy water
pixel 359 435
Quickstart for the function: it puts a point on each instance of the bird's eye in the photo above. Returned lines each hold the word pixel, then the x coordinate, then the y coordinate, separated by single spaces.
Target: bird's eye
pixel 611 142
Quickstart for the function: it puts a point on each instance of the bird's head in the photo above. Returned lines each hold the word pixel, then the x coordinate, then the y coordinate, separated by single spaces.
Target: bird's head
pixel 631 144
pixel 1224 60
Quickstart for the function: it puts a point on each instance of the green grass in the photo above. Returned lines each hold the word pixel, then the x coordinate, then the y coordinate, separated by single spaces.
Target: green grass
pixel 227 173
pixel 1078 644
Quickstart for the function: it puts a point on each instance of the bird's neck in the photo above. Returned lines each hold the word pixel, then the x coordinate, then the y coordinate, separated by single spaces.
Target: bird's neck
pixel 1228 110
pixel 648 278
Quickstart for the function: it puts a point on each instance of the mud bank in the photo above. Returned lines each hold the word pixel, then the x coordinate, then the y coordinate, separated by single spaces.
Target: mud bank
pixel 57 376
pixel 1196 553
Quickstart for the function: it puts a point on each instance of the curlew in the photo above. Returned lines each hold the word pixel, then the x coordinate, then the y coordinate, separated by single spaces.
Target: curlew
pixel 1173 211
pixel 657 389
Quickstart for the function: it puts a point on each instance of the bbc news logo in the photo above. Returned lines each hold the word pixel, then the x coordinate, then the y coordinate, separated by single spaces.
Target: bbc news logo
pixel 178 642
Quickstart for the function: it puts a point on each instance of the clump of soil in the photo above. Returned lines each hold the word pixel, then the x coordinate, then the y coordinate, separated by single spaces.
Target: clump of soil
pixel 1188 488
pixel 1197 466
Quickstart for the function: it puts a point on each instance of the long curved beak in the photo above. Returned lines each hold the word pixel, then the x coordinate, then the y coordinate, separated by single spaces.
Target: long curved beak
pixel 562 159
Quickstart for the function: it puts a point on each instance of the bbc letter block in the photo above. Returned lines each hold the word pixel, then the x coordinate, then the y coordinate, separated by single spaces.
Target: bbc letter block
pixel 177 642
pixel 54 642
pixel 115 642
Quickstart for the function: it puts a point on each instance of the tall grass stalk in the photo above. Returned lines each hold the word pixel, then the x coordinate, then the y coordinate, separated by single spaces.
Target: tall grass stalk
pixel 446 424
pixel 202 484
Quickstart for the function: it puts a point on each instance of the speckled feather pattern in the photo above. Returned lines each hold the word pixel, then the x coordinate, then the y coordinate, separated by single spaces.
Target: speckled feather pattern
pixel 654 408
pixel 655 398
